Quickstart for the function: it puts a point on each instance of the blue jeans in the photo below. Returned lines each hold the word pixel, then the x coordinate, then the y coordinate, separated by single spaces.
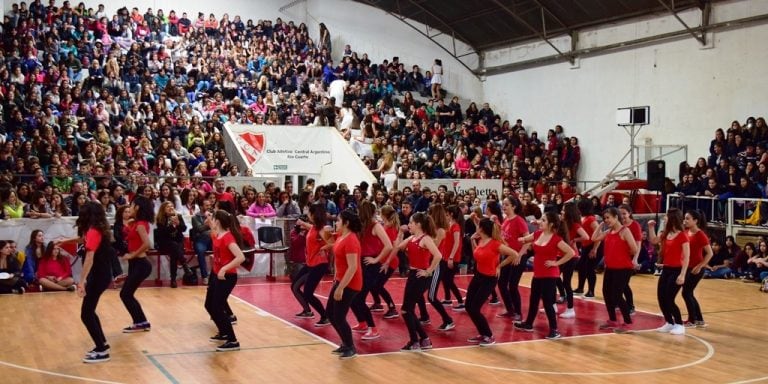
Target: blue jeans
pixel 719 273
pixel 202 245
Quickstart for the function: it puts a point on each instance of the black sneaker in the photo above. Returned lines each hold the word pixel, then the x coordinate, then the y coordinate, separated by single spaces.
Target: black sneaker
pixel 141 327
pixel 578 292
pixel 348 353
pixel 522 326
pixel 589 295
pixel 447 302
pixel 376 308
pixel 425 321
pixel 446 326
pixel 96 357
pixel 459 307
pixel 229 346
pixel 323 323
pixel 218 338
pixel 174 284
pixel 233 319
pixel 338 351
pixel 305 315
pixel 412 346
pixel 554 334
pixel 391 314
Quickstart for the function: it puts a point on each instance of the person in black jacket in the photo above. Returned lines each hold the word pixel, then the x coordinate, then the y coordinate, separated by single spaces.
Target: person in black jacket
pixel 169 237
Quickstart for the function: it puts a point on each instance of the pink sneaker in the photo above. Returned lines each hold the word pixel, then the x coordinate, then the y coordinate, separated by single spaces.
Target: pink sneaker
pixel 361 327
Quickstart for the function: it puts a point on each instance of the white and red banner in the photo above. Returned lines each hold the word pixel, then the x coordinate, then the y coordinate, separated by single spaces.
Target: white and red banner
pixel 483 187
pixel 280 149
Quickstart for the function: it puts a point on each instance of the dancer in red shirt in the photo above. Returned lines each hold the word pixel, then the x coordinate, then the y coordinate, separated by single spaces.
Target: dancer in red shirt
pixel 389 263
pixel 576 234
pixel 619 248
pixel 319 244
pixel 227 256
pixel 637 233
pixel 675 256
pixel 701 253
pixel 588 257
pixel 451 251
pixel 348 280
pixel 136 234
pixel 487 245
pixel 423 260
pixel 548 243
pixel 513 228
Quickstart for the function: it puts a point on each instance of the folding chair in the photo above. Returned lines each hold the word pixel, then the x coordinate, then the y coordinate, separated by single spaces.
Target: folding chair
pixel 270 240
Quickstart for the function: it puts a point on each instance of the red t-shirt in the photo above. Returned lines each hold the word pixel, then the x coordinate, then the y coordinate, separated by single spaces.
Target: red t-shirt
pixel 586 223
pixel 617 252
pixel 418 257
pixel 221 253
pixel 248 239
pixel 542 253
pixel 92 239
pixel 370 244
pixel 487 257
pixel 636 230
pixel 132 234
pixel 343 247
pixel 59 268
pixel 392 232
pixel 673 250
pixel 314 243
pixel 699 241
pixel 512 229
pixel 447 244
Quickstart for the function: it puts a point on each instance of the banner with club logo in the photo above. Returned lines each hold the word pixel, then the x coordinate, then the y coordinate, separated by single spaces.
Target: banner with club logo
pixel 279 149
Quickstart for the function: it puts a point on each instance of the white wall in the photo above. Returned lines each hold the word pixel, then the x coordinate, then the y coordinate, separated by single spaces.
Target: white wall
pixel 691 91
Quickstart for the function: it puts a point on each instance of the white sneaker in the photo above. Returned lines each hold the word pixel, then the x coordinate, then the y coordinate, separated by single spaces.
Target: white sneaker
pixel 677 329
pixel 666 328
pixel 569 313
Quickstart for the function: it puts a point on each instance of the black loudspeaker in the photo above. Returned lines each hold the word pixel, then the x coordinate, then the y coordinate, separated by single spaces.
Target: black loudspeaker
pixel 657 171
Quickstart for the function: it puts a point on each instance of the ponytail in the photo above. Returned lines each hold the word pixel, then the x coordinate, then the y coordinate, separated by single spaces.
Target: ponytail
pixel 229 222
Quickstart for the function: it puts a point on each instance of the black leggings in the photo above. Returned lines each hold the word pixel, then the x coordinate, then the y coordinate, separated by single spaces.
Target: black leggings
pixel 666 292
pixel 309 278
pixel 629 297
pixel 566 270
pixel 448 276
pixel 505 288
pixel 216 303
pixel 175 252
pixel 138 271
pixel 543 289
pixel 586 270
pixel 359 307
pixel 97 283
pixel 479 289
pixel 379 291
pixel 516 273
pixel 691 304
pixel 337 313
pixel 615 282
pixel 432 294
pixel 414 290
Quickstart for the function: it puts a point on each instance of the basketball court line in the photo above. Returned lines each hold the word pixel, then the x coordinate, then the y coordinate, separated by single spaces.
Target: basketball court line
pixel 56 374
pixel 709 354
pixel 755 380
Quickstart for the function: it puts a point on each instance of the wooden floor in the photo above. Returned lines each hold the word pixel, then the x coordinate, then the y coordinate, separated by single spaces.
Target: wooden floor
pixel 43 342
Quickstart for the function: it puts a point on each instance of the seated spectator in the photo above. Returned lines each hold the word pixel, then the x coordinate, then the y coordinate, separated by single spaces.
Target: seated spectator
pixel 34 251
pixel 54 272
pixel 169 237
pixel 261 208
pixel 719 266
pixel 13 208
pixel 288 207
pixel 11 280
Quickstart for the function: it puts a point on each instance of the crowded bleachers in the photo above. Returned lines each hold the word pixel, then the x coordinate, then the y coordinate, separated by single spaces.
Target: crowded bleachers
pixel 105 107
